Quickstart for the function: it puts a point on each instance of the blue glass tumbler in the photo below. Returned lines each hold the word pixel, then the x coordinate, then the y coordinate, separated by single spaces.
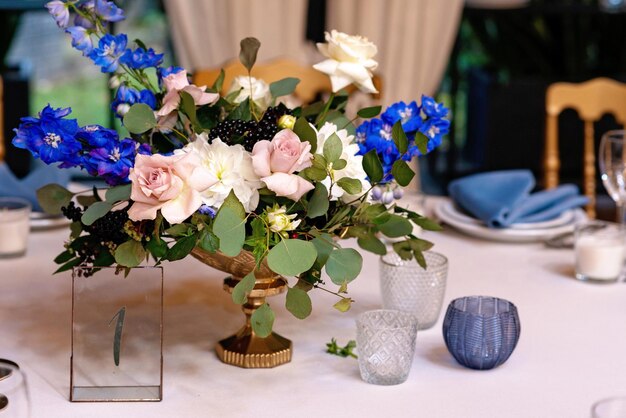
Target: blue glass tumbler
pixel 481 332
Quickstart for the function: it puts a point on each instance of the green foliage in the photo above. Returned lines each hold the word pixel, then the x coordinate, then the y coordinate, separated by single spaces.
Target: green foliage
pixel 130 254
pixel 343 265
pixel 318 204
pixel 396 226
pixel 283 87
pixel 350 185
pixel 343 305
pixel 298 302
pixel 305 132
pixel 247 54
pixel 292 257
pixel 372 166
pixel 95 212
pixel 139 119
pixel 53 197
pixel 262 321
pixel 182 248
pixel 230 229
pixel 399 137
pixel 347 351
pixel 333 148
pixel 243 288
pixel 369 112
pixel 402 173
pixel 117 338
pixel 118 193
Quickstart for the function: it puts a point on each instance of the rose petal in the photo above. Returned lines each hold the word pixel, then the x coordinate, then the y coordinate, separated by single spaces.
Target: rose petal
pixel 261 158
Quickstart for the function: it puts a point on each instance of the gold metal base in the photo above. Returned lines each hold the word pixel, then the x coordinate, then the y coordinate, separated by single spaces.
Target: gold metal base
pixel 249 351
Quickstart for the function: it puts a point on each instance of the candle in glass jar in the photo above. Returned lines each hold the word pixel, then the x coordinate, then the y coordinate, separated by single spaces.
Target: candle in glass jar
pixel 599 252
pixel 14 226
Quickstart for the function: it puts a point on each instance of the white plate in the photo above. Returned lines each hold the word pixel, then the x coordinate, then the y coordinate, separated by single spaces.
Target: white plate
pixel 447 212
pixel 42 221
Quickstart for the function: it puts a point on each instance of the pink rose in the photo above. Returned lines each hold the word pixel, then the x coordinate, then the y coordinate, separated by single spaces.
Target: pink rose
pixel 177 82
pixel 276 161
pixel 172 184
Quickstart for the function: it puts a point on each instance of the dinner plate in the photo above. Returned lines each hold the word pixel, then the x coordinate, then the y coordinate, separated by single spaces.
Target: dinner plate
pixel 42 221
pixel 447 212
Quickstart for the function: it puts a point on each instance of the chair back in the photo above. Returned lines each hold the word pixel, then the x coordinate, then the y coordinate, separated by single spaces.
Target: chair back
pixel 591 99
pixel 312 82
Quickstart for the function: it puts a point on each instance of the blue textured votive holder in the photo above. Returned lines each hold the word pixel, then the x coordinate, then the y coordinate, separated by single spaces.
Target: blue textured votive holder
pixel 481 332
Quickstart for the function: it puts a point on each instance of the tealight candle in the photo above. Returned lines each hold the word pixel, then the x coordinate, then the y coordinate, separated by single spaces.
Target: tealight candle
pixel 599 251
pixel 14 226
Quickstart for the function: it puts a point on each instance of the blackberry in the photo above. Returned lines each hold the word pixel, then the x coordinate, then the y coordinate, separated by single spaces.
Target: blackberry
pixel 72 212
pixel 109 228
pixel 268 125
pixel 234 132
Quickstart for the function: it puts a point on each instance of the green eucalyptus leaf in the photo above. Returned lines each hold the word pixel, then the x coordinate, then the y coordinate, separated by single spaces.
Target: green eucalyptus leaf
pixel 85 200
pixel 118 193
pixel 350 185
pixel 188 106
pixel 283 87
pixel 243 289
pixel 305 132
pixel 117 338
pixel 182 248
pixel 75 229
pixel 291 257
pixel 333 148
pixel 262 321
pixel 402 173
pixel 230 228
pixel 426 223
pixel 369 112
pixel 343 265
pixel 343 305
pixel 372 244
pixel 298 302
pixel 95 211
pixel 130 254
pixel 324 246
pixel 399 137
pixel 179 230
pixel 157 247
pixel 372 166
pixel 139 119
pixel 219 81
pixel 396 226
pixel 233 203
pixel 53 197
pixel 241 112
pixel 249 48
pixel 318 205
pixel 209 241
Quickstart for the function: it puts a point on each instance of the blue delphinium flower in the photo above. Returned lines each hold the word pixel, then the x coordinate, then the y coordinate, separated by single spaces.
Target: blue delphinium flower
pixel 88 9
pixel 409 114
pixel 433 109
pixel 81 39
pixel 127 96
pixel 434 129
pixel 60 12
pixel 147 97
pixel 108 11
pixel 207 210
pixel 140 58
pixel 50 137
pixel 110 49
pixel 96 135
pixel 164 72
pixel 112 161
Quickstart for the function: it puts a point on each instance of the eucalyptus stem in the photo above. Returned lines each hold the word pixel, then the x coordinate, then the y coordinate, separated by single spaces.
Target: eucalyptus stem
pixel 316 286
pixel 322 115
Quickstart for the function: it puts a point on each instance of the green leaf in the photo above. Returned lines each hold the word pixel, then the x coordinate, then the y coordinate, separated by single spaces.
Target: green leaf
pixel 372 244
pixel 85 200
pixel 283 87
pixel 340 164
pixel 118 193
pixel 117 339
pixel 422 143
pixel 69 265
pixel 243 288
pixel 343 265
pixel 372 166
pixel 233 203
pixel 369 112
pixel 426 223
pixel 262 321
pixel 247 54
pixel 75 229
pixel 324 246
pixel 306 133
pixel 139 118
pixel 179 230
pixel 403 249
pixel 241 112
pixel 130 254
pixel 157 247
pixel 298 303
pixel 53 197
pixel 188 106
pixel 291 257
pixel 396 226
pixel 318 205
pixel 219 81
pixel 230 228
pixel 343 305
pixel 402 173
pixel 341 121
pixel 351 186
pixel 95 212
pixel 182 248
pixel 399 137
pixel 64 257
pixel 314 173
pixel 209 241
pixel 333 148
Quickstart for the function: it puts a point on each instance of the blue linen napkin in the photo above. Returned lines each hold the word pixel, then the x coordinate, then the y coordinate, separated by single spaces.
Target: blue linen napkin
pixel 26 188
pixel 503 198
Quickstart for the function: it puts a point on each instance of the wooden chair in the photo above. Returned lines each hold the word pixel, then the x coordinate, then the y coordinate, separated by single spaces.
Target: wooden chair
pixel 312 82
pixel 2 150
pixel 591 99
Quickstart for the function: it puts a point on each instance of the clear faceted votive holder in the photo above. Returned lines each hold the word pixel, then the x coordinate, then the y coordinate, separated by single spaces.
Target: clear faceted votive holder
pixel 117 334
pixel 481 332
pixel 406 286
pixel 385 341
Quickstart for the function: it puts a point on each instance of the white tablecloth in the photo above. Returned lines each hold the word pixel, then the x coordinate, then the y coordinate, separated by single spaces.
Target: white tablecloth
pixel 572 349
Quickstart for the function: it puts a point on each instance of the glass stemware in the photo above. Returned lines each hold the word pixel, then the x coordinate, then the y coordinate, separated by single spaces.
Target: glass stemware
pixel 612 161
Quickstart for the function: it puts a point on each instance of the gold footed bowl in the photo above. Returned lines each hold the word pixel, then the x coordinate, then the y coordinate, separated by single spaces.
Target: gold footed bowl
pixel 245 348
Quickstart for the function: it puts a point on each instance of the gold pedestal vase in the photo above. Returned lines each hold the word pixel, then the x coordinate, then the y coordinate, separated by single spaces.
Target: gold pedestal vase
pixel 245 348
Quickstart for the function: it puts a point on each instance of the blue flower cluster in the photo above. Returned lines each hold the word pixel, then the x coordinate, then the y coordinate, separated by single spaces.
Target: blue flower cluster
pixel 55 139
pixel 127 96
pixel 427 119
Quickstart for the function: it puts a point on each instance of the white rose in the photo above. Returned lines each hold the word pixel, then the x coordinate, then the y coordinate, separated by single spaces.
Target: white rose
pixel 350 60
pixel 279 221
pixel 245 85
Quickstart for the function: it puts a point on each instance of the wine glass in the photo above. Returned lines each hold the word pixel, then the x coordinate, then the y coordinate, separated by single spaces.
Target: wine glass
pixel 13 391
pixel 612 156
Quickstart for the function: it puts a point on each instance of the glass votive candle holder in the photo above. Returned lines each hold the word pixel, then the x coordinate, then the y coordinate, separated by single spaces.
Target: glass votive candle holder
pixel 610 408
pixel 13 391
pixel 14 226
pixel 599 249
pixel 385 340
pixel 481 332
pixel 405 286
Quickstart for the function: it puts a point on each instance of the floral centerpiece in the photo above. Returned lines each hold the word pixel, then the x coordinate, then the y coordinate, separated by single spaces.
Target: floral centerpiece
pixel 233 174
